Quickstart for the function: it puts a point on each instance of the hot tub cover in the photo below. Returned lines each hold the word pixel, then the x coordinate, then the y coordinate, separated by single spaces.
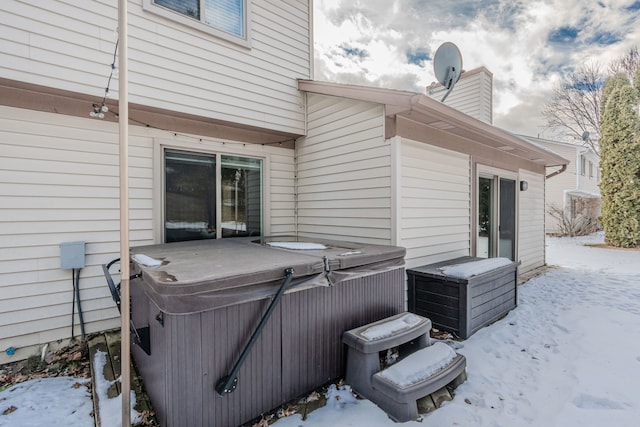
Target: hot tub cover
pixel 201 275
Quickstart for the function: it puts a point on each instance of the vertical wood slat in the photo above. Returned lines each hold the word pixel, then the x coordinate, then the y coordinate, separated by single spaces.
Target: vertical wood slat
pixel 300 349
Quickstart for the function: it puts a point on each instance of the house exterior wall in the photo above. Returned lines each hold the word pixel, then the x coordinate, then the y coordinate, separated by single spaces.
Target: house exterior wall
pixel 69 45
pixel 59 183
pixel 435 202
pixel 344 187
pixel 589 178
pixel 531 222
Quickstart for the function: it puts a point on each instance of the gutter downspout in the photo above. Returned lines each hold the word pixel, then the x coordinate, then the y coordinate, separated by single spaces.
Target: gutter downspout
pixel 558 172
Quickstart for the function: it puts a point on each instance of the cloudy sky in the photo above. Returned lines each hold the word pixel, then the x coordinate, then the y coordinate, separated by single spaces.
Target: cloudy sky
pixel 528 45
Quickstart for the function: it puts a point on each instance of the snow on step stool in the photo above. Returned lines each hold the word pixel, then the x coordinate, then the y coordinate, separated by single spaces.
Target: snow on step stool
pixel 421 371
pixel 397 388
pixel 418 366
pixel 388 333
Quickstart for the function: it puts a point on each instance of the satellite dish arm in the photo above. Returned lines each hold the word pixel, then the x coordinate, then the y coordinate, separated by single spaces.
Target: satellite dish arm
pixel 451 79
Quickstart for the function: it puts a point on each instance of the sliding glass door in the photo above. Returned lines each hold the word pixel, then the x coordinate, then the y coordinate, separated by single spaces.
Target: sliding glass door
pixel 496 235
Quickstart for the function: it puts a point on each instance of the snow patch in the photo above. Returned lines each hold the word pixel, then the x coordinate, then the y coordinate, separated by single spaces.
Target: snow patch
pixel 58 401
pixel 387 329
pixel 111 408
pixel 299 246
pixel 420 365
pixel 474 268
pixel 146 260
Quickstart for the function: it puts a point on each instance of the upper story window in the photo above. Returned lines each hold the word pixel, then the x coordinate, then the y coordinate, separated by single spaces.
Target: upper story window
pixel 590 169
pixel 221 17
pixel 583 165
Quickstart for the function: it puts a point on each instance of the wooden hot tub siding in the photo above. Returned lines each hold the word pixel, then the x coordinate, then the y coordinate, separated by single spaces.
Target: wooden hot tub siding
pixel 299 349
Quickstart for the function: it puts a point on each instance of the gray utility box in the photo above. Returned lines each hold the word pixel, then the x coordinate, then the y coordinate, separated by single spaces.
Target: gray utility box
pixel 462 306
pixel 72 255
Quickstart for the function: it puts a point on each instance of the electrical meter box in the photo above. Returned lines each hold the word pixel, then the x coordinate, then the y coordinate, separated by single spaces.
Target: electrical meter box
pixel 72 255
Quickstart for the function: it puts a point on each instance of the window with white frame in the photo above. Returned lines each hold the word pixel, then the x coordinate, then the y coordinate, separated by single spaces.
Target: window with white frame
pixel 583 165
pixel 210 196
pixel 225 16
pixel 590 169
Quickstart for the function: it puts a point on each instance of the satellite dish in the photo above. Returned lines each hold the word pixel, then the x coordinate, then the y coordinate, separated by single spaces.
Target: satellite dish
pixel 447 65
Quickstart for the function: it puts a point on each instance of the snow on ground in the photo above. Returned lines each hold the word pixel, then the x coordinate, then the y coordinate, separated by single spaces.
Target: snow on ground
pixel 569 355
pixel 111 408
pixel 62 401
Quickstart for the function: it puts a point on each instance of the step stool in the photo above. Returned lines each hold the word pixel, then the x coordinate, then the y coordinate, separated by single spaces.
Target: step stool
pixel 421 368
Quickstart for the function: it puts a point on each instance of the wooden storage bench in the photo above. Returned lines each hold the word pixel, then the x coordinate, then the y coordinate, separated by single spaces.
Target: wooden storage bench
pixel 462 305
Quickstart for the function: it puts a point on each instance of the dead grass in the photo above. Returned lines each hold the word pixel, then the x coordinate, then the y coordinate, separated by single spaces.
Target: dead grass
pixel 70 361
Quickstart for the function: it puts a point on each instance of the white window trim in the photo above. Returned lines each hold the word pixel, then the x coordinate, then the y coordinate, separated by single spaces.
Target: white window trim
pixel 245 41
pixel 159 147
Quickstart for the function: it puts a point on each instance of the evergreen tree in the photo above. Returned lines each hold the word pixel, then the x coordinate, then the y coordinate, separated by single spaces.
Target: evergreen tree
pixel 620 162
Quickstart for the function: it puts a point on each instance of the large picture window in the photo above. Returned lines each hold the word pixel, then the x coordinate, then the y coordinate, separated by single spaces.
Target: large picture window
pixel 229 16
pixel 209 196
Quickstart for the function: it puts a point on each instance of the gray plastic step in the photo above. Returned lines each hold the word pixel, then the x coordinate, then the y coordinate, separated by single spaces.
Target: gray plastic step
pixel 421 368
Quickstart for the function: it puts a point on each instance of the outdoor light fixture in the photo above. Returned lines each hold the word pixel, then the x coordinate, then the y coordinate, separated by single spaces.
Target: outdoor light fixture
pixel 524 185
pixel 98 111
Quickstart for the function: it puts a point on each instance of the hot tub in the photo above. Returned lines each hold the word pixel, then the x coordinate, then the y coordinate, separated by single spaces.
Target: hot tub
pixel 205 300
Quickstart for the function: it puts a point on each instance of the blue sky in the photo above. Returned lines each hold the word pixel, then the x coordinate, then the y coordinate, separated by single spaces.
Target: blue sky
pixel 528 45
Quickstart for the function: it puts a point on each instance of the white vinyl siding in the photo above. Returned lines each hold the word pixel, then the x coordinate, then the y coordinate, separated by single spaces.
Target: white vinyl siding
pixel 531 219
pixel 435 203
pixel 473 95
pixel 344 172
pixel 59 183
pixel 69 45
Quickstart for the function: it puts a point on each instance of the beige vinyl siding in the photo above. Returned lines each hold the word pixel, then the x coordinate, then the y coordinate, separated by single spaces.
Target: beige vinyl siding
pixel 281 192
pixel 344 172
pixel 472 95
pixel 69 44
pixel 59 183
pixel 531 218
pixel 434 202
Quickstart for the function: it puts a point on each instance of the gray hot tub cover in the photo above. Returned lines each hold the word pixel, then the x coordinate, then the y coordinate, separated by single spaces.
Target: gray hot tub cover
pixel 202 275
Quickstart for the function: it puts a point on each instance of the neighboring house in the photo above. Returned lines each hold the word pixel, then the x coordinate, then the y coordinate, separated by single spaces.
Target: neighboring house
pixel 575 192
pixel 229 137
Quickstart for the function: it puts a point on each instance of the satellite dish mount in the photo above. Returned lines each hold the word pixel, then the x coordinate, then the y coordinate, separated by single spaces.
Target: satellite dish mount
pixel 447 66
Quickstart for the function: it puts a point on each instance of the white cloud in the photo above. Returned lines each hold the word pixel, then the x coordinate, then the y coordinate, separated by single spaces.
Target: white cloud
pixel 527 45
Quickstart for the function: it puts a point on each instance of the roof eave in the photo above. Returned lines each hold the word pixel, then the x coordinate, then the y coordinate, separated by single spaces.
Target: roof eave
pixel 434 114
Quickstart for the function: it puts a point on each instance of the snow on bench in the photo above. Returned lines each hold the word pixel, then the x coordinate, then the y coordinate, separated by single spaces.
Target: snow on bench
pixel 474 268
